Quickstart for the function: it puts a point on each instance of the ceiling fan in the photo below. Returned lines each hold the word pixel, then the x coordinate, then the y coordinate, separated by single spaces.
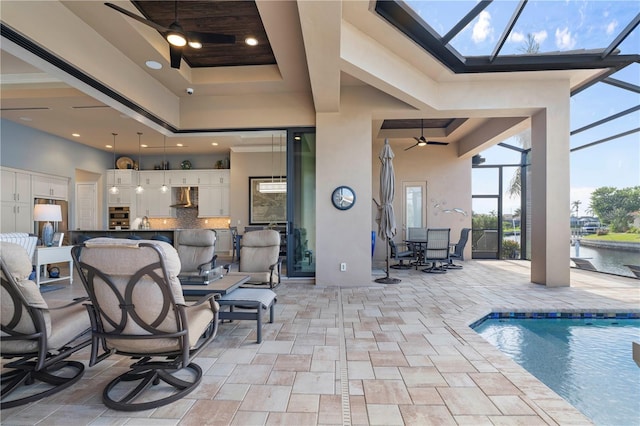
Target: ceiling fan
pixel 176 36
pixel 421 141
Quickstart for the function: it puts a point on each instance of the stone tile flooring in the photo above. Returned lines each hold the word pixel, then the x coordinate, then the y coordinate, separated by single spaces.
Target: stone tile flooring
pixel 378 355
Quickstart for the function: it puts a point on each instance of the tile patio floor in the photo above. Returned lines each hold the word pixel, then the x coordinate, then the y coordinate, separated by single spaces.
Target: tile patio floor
pixel 379 355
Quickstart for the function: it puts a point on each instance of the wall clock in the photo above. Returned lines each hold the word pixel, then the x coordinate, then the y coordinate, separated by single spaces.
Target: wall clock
pixel 343 198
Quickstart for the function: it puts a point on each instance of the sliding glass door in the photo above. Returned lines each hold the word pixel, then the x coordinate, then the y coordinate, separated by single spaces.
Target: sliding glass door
pixel 301 202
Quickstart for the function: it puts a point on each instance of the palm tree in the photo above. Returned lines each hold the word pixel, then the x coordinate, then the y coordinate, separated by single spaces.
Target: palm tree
pixel 576 206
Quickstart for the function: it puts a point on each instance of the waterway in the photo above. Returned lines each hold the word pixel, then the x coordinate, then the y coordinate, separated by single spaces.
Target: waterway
pixel 608 260
pixel 605 260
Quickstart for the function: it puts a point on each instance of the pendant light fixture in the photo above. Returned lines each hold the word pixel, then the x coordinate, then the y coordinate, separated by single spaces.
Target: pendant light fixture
pixel 139 188
pixel 114 189
pixel 164 188
pixel 273 186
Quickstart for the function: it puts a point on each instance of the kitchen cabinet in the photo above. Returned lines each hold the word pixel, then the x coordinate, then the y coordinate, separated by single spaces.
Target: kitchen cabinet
pixel 213 201
pixel 16 202
pixel 153 178
pixel 220 177
pixel 223 241
pixel 121 177
pixel 154 203
pixel 16 186
pixel 16 217
pixel 50 187
pixel 189 177
pixel 124 197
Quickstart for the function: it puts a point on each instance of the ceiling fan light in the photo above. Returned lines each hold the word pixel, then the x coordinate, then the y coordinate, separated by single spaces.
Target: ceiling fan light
pixel 176 38
pixel 422 143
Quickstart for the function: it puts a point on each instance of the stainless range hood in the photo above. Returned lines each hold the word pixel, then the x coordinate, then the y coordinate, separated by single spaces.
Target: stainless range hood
pixel 184 196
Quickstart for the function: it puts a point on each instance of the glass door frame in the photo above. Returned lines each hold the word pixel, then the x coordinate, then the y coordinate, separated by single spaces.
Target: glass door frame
pixel 292 203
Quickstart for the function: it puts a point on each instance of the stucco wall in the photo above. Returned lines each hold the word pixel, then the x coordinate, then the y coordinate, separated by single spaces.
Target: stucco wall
pixel 448 180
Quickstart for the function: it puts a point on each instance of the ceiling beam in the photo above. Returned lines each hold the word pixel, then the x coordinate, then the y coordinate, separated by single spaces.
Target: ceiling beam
pixel 321 30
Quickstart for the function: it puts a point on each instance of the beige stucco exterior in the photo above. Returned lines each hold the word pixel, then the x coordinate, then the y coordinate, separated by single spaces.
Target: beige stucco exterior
pixel 358 71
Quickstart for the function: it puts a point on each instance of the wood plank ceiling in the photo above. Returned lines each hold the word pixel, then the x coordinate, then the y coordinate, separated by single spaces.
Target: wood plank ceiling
pixel 238 18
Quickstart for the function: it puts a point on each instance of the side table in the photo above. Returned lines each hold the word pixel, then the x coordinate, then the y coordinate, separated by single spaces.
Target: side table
pixel 46 255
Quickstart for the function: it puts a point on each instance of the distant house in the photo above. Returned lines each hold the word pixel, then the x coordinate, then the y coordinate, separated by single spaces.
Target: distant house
pixel 636 219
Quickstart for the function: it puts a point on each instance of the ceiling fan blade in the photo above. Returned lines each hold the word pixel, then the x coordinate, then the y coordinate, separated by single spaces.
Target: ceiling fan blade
pixel 176 56
pixel 437 143
pixel 212 38
pixel 417 140
pixel 137 18
pixel 412 146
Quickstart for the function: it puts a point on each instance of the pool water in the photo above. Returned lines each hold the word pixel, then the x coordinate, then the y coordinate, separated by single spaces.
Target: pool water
pixel 586 361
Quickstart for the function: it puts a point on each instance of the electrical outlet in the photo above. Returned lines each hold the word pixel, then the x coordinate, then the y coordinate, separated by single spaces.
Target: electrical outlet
pixel 343 266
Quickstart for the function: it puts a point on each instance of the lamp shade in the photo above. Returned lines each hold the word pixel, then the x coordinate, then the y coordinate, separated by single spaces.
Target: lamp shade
pixel 47 213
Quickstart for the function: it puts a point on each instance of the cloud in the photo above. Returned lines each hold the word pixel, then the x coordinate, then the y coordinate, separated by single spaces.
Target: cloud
pixel 612 27
pixel 516 37
pixel 540 36
pixel 482 29
pixel 564 39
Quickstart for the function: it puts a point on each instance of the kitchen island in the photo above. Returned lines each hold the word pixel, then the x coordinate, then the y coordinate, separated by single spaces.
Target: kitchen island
pixel 79 236
pixel 223 236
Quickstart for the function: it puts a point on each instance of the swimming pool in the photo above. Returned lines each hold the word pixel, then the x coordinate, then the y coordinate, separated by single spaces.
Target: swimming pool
pixel 587 361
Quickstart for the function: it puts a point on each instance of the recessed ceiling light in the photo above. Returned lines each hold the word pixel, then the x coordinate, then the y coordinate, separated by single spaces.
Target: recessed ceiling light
pixel 26 118
pixel 154 65
pixel 195 44
pixel 179 144
pixel 108 146
pixel 144 145
pixel 251 41
pixel 75 135
pixel 214 143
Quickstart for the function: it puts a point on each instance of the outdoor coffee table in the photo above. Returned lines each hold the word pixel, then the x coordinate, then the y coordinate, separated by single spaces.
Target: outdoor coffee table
pixel 221 286
pixel 250 301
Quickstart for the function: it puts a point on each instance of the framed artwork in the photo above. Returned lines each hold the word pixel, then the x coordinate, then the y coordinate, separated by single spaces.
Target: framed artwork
pixel 266 206
pixel 57 239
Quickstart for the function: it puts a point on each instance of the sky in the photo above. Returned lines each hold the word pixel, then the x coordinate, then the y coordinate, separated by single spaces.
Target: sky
pixel 559 26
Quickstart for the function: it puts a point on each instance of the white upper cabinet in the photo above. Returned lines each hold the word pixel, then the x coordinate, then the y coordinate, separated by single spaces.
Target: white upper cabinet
pixel 16 187
pixel 121 177
pixel 50 187
pixel 189 177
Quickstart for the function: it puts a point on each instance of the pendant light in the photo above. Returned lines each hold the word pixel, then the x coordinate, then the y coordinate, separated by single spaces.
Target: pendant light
pixel 273 186
pixel 164 188
pixel 114 189
pixel 139 188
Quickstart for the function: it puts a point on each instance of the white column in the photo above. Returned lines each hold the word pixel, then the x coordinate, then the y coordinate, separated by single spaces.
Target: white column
pixel 550 194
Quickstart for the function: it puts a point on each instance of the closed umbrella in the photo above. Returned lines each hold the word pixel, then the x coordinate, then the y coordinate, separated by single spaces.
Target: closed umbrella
pixel 386 218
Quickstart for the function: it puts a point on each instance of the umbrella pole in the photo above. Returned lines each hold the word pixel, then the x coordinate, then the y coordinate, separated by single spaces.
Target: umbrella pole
pixel 387 279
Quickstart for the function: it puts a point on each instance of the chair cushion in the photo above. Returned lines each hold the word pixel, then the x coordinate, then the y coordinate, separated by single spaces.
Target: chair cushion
pixel 195 247
pixel 19 263
pixel 112 262
pixel 196 237
pixel 262 238
pixel 67 324
pixel 118 259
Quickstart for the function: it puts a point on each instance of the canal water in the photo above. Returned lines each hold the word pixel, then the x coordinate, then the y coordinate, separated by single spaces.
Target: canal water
pixel 608 260
pixel 604 259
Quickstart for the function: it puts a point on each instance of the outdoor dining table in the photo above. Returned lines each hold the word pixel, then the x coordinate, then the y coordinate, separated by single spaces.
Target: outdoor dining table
pixel 419 246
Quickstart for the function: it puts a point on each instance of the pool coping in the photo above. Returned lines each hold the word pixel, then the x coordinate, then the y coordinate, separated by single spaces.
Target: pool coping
pixel 555 314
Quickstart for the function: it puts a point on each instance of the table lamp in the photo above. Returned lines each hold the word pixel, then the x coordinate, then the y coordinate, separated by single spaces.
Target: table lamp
pixel 47 213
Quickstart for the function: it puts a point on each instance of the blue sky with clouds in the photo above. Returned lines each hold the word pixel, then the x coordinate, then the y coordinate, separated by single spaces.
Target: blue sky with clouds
pixel 560 26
